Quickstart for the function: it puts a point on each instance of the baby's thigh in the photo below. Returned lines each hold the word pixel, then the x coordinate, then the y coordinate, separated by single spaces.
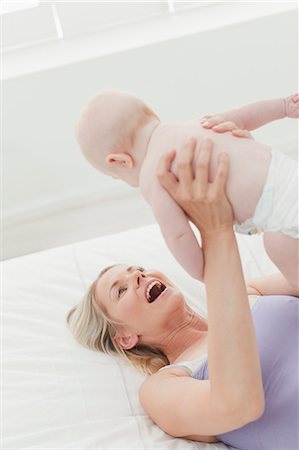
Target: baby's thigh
pixel 284 252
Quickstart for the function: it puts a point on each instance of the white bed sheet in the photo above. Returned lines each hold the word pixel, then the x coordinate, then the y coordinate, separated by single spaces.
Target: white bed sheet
pixel 58 395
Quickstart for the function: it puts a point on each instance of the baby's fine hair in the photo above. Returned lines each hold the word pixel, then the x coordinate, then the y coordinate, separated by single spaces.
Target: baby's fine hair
pixel 109 123
pixel 91 327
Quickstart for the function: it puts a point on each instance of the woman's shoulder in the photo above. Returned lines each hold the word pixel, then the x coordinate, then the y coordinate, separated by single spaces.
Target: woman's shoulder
pixel 190 367
pixel 252 299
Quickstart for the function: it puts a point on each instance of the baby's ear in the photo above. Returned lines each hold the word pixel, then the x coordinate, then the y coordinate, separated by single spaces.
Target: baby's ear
pixel 123 159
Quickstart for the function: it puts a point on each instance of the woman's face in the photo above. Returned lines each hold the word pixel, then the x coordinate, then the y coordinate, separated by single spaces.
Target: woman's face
pixel 144 301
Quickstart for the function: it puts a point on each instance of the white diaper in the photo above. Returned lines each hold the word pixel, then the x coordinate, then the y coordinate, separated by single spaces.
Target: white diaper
pixel 277 208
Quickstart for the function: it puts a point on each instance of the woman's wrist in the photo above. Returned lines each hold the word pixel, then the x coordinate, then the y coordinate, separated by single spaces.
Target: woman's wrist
pixel 215 234
pixel 218 242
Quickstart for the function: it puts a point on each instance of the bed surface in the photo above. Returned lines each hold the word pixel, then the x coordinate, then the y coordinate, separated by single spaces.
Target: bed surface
pixel 58 395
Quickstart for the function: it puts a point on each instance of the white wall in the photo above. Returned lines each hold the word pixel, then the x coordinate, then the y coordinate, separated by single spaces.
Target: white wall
pixel 52 196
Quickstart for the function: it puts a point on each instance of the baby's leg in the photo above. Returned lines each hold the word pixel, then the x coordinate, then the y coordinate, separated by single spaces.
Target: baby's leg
pixel 284 252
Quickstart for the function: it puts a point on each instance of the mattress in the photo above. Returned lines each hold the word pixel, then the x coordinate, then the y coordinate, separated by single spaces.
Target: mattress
pixel 59 395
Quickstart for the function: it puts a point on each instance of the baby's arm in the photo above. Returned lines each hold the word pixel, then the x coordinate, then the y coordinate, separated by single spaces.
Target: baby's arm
pixel 255 115
pixel 177 231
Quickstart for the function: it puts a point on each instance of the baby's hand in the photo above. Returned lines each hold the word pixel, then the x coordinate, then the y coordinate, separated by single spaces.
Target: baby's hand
pixel 220 125
pixel 292 106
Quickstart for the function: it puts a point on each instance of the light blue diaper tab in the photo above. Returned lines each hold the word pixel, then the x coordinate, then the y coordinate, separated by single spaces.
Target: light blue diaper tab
pixel 277 208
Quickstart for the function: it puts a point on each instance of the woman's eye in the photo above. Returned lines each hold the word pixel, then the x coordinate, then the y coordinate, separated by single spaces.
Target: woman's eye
pixel 121 291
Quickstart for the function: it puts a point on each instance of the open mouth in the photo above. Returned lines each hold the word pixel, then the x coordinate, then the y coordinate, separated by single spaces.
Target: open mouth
pixel 154 289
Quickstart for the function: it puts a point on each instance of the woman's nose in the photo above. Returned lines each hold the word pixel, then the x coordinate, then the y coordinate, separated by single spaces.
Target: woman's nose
pixel 138 275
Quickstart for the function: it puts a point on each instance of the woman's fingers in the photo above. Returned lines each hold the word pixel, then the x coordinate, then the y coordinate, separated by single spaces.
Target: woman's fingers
pixel 184 162
pixel 202 166
pixel 205 203
pixel 164 174
pixel 221 173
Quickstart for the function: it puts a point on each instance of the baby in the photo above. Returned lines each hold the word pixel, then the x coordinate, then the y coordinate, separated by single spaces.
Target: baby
pixel 122 137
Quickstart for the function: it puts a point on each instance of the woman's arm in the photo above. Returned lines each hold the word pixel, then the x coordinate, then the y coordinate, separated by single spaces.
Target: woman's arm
pixel 235 380
pixel 234 367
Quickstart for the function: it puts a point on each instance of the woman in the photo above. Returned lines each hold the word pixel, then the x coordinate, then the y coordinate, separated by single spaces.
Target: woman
pixel 245 392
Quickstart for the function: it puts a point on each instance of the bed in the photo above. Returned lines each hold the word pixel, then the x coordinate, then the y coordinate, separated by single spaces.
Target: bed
pixel 58 395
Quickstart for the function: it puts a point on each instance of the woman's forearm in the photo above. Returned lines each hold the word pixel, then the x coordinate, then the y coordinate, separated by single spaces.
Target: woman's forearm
pixel 234 367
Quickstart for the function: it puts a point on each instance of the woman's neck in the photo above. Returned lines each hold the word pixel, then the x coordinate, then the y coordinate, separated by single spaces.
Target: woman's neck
pixel 189 335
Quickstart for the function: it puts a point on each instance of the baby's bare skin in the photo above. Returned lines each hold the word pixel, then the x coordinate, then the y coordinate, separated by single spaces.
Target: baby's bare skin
pixel 124 138
pixel 249 160
pixel 249 163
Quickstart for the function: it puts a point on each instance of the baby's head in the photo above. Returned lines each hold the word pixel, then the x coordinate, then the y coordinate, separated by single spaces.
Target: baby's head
pixel 107 132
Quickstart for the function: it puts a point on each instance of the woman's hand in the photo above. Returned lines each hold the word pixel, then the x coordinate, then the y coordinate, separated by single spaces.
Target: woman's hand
pixel 204 202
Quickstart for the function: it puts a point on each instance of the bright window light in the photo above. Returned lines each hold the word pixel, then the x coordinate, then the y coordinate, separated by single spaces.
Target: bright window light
pixel 171 6
pixel 57 21
pixel 8 6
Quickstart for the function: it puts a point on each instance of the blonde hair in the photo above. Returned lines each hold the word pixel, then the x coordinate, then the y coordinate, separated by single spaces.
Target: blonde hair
pixel 92 328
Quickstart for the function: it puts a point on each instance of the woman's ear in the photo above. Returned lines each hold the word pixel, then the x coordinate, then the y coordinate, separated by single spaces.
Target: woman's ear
pixel 126 342
pixel 123 159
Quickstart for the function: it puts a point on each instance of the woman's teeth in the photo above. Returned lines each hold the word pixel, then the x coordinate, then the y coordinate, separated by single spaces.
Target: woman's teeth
pixel 154 289
pixel 150 286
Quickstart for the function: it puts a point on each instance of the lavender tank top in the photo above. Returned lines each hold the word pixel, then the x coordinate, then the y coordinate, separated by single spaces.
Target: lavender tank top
pixel 276 321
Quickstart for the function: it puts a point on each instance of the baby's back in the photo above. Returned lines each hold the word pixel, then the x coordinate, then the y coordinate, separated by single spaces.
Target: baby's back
pixel 249 162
